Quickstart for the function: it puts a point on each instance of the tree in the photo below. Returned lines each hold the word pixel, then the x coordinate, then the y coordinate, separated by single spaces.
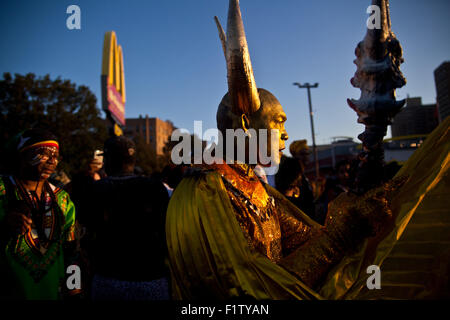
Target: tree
pixel 146 158
pixel 67 110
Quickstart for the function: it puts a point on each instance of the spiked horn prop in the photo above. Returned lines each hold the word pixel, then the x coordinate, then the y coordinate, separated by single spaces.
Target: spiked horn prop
pixel 241 82
pixel 378 75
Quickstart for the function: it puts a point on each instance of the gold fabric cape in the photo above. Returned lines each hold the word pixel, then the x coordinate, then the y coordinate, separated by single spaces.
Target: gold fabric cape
pixel 210 259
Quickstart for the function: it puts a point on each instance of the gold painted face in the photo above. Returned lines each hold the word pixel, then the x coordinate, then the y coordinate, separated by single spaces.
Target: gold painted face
pixel 270 116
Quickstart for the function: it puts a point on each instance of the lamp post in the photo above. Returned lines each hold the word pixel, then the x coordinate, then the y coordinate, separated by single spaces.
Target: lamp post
pixel 308 87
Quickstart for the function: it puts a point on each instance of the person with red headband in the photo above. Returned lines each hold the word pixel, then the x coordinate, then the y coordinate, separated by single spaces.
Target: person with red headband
pixel 37 221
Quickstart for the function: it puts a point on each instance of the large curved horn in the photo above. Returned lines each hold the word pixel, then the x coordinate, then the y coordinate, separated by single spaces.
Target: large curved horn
pixel 222 36
pixel 241 82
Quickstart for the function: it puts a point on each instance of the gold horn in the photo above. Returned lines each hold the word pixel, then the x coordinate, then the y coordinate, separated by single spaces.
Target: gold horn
pixel 241 82
pixel 222 36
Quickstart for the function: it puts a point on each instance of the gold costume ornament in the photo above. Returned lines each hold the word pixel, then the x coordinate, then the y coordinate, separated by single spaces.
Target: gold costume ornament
pixel 229 235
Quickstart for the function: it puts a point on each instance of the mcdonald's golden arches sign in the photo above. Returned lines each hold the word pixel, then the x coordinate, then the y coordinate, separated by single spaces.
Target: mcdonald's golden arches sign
pixel 113 79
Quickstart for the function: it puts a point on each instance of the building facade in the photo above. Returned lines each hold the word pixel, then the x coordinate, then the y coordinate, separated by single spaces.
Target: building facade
pixel 415 119
pixel 442 80
pixel 345 148
pixel 401 148
pixel 155 131
pixel 328 155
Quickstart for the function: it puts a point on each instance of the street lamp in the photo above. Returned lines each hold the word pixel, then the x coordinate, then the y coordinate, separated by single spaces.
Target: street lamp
pixel 308 87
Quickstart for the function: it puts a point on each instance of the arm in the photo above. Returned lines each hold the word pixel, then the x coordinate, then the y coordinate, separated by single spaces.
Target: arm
pixel 70 244
pixel 14 214
pixel 351 219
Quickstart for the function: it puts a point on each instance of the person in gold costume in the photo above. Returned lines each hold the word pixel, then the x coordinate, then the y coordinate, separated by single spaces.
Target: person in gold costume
pixel 229 235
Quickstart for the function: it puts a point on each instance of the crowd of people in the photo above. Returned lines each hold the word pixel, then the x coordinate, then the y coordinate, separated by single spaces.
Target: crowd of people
pixel 220 230
pixel 110 220
pixel 313 197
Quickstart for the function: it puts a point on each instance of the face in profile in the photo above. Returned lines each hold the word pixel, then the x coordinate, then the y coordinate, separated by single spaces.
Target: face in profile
pixel 97 161
pixel 39 163
pixel 271 116
pixel 304 157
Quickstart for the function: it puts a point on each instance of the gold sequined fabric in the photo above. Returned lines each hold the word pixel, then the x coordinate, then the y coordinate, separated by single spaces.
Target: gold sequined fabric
pixel 260 226
pixel 307 251
pixel 350 220
pixel 266 228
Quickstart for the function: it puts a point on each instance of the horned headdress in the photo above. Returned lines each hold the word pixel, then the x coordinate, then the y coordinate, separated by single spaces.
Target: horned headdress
pixel 241 82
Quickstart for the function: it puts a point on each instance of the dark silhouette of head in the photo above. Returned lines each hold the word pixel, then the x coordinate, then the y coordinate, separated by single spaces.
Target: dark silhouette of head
pixel 119 156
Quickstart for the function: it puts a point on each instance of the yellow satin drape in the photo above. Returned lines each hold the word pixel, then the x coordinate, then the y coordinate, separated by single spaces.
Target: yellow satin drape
pixel 419 240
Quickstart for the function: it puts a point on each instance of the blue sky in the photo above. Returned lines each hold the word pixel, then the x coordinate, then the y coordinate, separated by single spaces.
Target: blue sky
pixel 174 64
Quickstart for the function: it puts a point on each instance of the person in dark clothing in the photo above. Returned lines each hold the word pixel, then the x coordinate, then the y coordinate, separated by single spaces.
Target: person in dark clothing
pixel 80 190
pixel 172 176
pixel 291 182
pixel 336 184
pixel 305 200
pixel 128 217
pixel 82 182
pixel 340 182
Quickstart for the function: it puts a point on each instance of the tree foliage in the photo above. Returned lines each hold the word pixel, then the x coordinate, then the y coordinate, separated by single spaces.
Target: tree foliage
pixel 67 110
pixel 146 158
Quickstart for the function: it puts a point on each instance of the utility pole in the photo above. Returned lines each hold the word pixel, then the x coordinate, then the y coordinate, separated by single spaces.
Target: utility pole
pixel 308 87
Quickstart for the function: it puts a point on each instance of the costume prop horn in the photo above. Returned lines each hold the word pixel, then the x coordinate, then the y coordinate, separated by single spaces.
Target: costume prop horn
pixel 241 82
pixel 222 36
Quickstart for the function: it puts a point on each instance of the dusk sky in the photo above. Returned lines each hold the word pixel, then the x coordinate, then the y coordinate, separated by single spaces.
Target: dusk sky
pixel 174 64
